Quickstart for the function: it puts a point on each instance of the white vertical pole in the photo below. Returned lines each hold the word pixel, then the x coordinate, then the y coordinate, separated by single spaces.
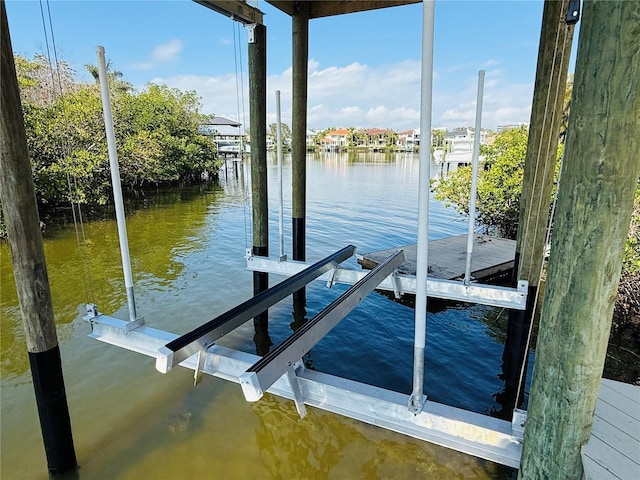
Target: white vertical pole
pixel 474 178
pixel 280 195
pixel 416 402
pixel 115 181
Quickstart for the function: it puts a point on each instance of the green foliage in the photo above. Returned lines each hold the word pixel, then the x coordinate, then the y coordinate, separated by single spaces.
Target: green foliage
pixel 566 107
pixel 156 134
pixel 319 136
pixel 438 137
pixel 285 132
pixel 631 262
pixel 40 81
pixel 499 183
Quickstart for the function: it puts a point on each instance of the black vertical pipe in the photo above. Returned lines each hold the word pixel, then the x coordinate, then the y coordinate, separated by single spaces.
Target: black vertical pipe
pixel 17 194
pixel 258 132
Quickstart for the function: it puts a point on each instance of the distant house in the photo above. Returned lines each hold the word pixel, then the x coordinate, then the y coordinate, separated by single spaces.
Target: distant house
pixel 409 139
pixel 460 146
pixel 375 137
pixel 225 133
pixel 336 139
pixel 378 138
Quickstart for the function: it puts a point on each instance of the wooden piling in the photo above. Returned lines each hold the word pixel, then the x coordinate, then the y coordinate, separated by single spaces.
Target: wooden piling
pixel 598 180
pixel 19 207
pixel 300 54
pixel 258 133
pixel 556 38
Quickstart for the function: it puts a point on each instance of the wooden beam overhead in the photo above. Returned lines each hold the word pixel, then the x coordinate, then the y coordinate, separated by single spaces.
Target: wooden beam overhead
pixel 326 8
pixel 237 10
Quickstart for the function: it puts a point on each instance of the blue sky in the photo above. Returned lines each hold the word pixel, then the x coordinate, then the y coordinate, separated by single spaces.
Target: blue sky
pixel 364 68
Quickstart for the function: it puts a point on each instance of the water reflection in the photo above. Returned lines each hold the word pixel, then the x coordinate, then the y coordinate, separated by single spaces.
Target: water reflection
pixel 160 237
pixel 261 338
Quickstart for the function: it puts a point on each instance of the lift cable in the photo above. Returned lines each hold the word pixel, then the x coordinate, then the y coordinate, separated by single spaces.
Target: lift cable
pixel 66 147
pixel 237 57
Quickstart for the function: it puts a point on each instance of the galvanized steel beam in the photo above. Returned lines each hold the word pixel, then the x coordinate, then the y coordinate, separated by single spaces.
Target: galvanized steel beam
pixel 202 337
pixel 257 379
pixel 467 432
pixel 492 295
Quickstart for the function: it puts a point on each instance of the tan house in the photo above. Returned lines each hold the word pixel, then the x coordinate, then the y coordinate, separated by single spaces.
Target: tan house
pixel 336 139
pixel 378 138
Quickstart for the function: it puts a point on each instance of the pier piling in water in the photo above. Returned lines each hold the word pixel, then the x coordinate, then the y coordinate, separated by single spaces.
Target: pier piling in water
pixel 20 211
pixel 556 38
pixel 598 180
pixel 258 132
pixel 300 54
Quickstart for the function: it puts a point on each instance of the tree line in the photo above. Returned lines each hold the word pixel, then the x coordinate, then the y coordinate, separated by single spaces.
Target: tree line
pixel 156 131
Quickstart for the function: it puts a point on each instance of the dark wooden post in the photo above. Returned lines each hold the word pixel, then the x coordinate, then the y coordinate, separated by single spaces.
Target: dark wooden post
pixel 599 177
pixel 300 54
pixel 556 38
pixel 258 133
pixel 18 198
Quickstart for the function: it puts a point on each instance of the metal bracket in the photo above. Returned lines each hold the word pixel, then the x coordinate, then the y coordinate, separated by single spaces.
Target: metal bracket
pixel 395 282
pixel 90 310
pixel 573 12
pixel 92 313
pixel 518 423
pixel 251 38
pixel 416 405
pixel 248 253
pixel 523 287
pixel 197 372
pixel 283 258
pixel 297 391
pixel 130 326
pixel 332 277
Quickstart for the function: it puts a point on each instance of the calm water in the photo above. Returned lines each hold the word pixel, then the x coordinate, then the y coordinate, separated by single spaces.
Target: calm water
pixel 187 252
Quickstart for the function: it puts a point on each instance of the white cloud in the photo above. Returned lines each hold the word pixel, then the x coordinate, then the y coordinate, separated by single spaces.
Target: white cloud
pixel 359 95
pixel 163 53
pixel 167 52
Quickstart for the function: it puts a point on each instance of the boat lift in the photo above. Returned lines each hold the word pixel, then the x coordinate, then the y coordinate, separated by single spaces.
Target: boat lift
pixel 281 372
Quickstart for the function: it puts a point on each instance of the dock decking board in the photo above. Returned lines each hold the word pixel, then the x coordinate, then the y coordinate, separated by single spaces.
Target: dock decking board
pixel 447 257
pixel 613 451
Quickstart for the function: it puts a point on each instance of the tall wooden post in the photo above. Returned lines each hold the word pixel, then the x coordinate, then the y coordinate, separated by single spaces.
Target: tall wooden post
pixel 300 54
pixel 599 175
pixel 556 38
pixel 18 198
pixel 258 132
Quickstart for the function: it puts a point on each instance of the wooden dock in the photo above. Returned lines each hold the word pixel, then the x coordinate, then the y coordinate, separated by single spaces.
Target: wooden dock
pixel 613 451
pixel 492 257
